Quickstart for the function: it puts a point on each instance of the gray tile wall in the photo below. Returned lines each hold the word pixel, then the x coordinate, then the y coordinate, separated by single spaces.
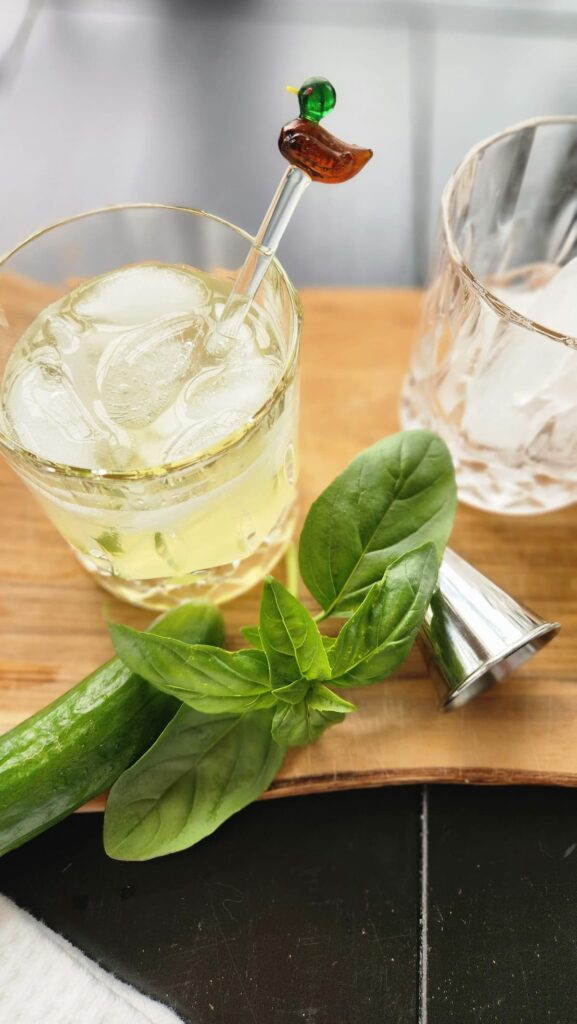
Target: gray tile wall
pixel 181 101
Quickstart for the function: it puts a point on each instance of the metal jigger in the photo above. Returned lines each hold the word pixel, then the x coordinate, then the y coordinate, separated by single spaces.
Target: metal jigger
pixel 475 634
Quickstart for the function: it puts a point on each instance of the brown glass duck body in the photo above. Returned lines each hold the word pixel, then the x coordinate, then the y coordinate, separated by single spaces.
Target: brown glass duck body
pixel 322 156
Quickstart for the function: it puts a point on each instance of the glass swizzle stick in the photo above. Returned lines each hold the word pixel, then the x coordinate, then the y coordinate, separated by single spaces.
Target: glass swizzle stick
pixel 314 155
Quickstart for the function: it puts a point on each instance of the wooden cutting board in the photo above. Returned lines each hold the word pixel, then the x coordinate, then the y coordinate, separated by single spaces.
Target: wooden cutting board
pixel 356 347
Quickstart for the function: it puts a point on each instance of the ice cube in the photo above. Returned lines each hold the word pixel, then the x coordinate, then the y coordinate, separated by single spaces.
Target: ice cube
pixel 229 339
pixel 525 380
pixel 555 305
pixel 201 436
pixel 64 332
pixel 516 298
pixel 48 418
pixel 249 385
pixel 233 334
pixel 244 387
pixel 140 372
pixel 137 294
pixel 113 457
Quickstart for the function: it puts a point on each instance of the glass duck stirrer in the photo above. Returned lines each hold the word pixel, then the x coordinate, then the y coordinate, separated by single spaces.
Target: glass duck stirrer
pixel 314 155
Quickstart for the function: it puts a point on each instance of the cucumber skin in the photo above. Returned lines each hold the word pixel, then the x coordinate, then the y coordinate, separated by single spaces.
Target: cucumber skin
pixel 78 745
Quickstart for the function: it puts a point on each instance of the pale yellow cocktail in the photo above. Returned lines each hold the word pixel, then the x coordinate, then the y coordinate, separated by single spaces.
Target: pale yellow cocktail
pixel 178 440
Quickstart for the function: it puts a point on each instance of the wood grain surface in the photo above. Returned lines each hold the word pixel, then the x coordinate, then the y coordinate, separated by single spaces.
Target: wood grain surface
pixel 356 347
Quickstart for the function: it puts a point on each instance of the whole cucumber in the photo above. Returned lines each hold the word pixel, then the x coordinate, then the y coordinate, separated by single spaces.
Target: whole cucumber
pixel 76 747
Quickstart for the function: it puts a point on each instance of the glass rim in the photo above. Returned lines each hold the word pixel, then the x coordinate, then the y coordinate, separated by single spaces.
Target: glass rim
pixel 456 258
pixel 208 454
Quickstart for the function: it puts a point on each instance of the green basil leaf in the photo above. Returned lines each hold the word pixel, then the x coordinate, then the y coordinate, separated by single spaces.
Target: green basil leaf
pixel 201 770
pixel 392 498
pixel 206 678
pixel 292 693
pixel 296 725
pixel 192 623
pixel 323 699
pixel 382 631
pixel 290 637
pixel 252 636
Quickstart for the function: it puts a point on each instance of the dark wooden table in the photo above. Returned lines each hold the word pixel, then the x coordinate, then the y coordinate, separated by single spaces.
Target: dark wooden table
pixel 313 909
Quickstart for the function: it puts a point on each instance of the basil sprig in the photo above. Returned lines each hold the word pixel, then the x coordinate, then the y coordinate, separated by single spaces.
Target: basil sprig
pixel 370 552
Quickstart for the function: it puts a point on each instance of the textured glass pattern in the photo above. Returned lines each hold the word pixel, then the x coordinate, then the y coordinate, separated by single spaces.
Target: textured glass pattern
pixel 495 371
pixel 207 511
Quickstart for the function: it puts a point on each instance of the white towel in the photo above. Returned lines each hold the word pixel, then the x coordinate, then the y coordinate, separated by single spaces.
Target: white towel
pixel 46 980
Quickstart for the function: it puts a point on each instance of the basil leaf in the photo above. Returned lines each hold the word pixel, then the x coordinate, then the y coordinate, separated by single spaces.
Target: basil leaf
pixel 290 637
pixel 392 498
pixel 382 631
pixel 296 725
pixel 292 693
pixel 192 623
pixel 110 541
pixel 323 699
pixel 252 636
pixel 201 770
pixel 206 678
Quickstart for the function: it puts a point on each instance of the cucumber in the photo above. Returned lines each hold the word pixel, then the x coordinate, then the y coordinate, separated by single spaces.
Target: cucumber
pixel 77 747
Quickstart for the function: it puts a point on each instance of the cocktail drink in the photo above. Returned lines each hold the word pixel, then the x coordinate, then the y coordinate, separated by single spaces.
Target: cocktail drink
pixel 149 388
pixel 163 449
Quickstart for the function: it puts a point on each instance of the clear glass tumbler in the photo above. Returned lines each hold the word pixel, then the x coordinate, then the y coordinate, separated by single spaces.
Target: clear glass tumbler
pixel 495 371
pixel 203 527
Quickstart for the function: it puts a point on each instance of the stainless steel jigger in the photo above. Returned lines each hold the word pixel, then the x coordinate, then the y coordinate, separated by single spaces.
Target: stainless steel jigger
pixel 475 634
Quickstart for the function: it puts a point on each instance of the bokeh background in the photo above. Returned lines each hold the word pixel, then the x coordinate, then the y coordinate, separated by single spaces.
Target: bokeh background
pixel 181 101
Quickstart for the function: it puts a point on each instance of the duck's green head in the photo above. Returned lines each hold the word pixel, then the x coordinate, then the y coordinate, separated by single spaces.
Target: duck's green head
pixel 317 98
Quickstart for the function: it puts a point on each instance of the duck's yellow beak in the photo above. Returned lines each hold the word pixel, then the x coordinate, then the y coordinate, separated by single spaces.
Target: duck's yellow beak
pixel 291 88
